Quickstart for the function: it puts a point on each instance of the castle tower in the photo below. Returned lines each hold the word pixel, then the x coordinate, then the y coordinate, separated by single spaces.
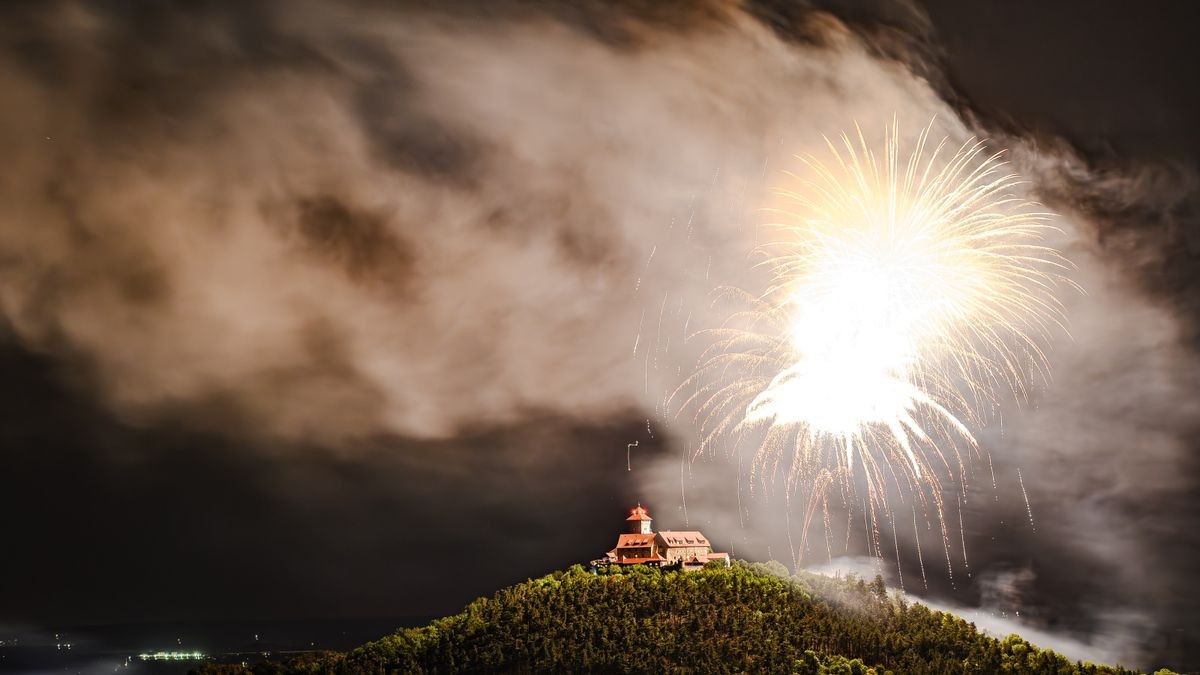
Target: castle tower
pixel 639 521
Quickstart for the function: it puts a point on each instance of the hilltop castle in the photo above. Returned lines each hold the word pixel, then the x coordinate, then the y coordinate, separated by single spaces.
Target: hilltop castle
pixel 641 545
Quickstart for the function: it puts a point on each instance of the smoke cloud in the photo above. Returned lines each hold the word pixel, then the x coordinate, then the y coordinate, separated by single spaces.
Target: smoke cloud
pixel 355 222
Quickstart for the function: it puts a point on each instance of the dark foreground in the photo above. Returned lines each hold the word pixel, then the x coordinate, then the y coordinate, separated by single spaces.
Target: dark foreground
pixel 747 618
pixel 175 648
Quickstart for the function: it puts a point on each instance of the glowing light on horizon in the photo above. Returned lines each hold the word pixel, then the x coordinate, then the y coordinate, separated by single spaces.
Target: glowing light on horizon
pixel 909 295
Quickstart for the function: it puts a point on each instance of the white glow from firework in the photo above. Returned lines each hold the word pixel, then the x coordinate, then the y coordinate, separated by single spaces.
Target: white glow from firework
pixel 908 294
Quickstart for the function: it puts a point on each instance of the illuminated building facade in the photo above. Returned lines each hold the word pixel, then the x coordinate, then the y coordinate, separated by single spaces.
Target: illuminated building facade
pixel 641 545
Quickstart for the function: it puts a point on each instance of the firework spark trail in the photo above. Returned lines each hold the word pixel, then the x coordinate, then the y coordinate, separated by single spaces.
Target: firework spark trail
pixel 849 529
pixel 828 530
pixel 907 294
pixel 917 538
pixel 628 451
pixel 896 544
pixel 1028 508
pixel 683 486
pixel 646 374
pixel 638 338
pixel 646 269
pixel 962 533
pixel 787 514
pixel 741 513
pixel 658 331
pixel 992 470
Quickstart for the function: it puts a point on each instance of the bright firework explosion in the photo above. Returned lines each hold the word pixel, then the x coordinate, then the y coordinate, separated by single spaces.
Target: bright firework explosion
pixel 908 296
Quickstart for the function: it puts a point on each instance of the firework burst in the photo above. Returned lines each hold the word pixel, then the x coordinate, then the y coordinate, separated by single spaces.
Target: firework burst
pixel 909 295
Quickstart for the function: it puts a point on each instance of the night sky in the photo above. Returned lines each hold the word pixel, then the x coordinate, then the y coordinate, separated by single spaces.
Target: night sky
pixel 325 309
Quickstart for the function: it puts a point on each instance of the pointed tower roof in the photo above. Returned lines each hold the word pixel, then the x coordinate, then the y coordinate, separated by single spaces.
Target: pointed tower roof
pixel 638 513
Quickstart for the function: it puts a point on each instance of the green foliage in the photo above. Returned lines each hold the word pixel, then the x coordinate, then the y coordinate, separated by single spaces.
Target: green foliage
pixel 747 618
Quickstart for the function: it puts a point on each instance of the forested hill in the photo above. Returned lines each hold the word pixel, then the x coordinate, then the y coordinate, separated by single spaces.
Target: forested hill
pixel 717 620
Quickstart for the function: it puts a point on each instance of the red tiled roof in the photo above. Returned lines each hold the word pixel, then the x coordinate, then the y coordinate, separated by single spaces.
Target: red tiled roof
pixel 638 513
pixel 635 540
pixel 683 538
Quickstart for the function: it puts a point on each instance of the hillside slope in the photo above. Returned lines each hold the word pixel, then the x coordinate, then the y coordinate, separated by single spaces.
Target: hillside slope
pixel 718 620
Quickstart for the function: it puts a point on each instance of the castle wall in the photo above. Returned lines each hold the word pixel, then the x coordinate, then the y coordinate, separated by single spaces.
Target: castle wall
pixel 679 552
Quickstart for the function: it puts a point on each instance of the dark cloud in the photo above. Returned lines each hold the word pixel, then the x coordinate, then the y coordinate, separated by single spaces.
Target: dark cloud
pixel 625 24
pixel 1110 82
pixel 128 524
pixel 1109 89
pixel 357 241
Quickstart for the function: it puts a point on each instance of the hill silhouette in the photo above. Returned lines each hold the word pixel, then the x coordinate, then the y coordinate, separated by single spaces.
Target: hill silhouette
pixel 743 619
